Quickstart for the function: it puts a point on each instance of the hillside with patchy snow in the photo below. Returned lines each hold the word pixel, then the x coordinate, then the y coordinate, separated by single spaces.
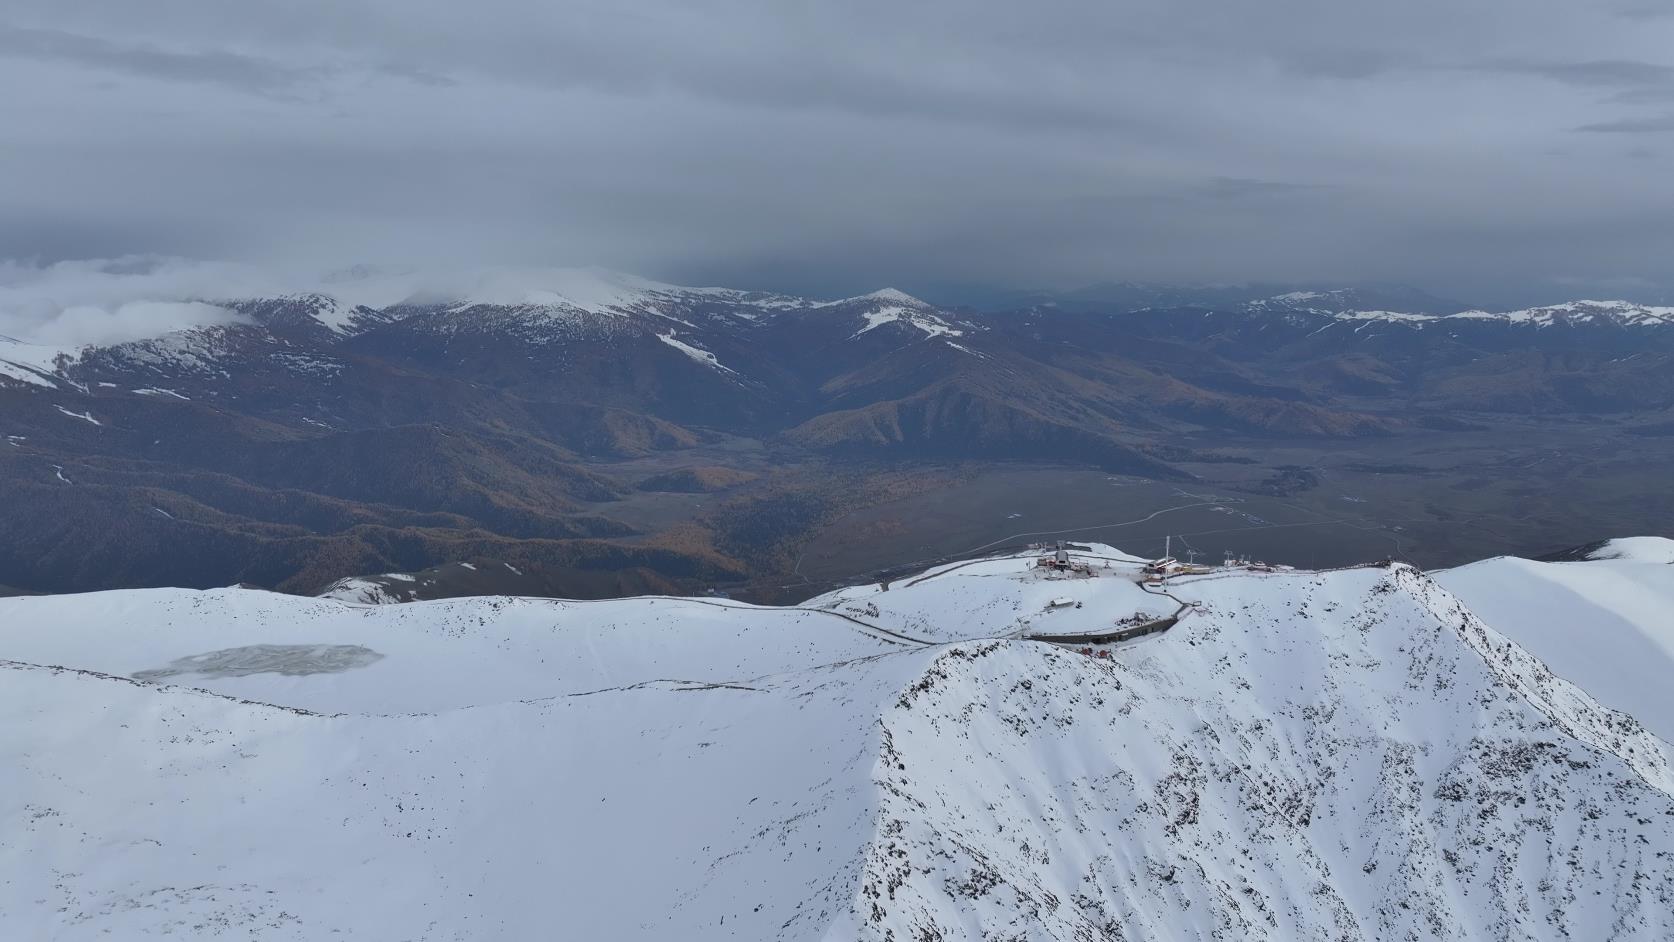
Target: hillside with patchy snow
pixel 1349 754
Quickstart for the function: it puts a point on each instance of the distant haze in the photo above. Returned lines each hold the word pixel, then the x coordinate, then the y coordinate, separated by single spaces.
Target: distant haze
pixel 1505 152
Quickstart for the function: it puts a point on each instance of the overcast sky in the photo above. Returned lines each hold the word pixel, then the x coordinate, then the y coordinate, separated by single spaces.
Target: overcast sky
pixel 1501 151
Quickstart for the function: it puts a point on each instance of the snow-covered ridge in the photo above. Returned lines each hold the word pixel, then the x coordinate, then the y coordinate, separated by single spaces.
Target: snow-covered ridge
pixel 1623 312
pixel 538 306
pixel 29 363
pixel 1573 313
pixel 1301 755
pixel 1606 623
pixel 1637 549
pixel 893 296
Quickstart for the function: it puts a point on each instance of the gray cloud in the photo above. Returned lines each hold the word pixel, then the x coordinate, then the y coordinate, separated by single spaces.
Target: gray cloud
pixel 1603 73
pixel 1646 11
pixel 247 73
pixel 1652 125
pixel 1227 188
pixel 840 146
pixel 1651 95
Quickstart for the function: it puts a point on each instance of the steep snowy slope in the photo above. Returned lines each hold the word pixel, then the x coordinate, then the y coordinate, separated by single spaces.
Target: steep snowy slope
pixel 29 363
pixel 1311 755
pixel 1606 624
pixel 1344 757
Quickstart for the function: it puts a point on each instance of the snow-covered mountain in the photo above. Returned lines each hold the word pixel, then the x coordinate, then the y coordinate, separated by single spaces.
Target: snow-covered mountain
pixel 727 329
pixel 256 446
pixel 536 307
pixel 1350 754
pixel 1349 305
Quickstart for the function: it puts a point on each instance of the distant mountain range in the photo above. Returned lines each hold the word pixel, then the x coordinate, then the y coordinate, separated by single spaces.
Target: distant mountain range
pixel 1122 296
pixel 378 429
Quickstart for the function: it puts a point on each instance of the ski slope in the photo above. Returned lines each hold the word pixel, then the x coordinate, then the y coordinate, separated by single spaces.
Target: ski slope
pixel 1352 754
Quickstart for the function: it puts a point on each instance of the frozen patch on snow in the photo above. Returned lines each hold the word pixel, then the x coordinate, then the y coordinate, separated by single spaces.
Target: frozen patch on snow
pixel 158 391
pixel 290 660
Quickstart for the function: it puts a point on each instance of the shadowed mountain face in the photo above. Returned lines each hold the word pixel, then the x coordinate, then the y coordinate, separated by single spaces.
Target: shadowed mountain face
pixel 664 438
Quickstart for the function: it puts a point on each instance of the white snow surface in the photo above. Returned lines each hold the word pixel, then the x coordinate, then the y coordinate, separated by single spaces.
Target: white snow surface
pixel 159 391
pixel 1607 624
pixel 930 324
pixel 702 356
pixel 84 416
pixel 1639 549
pixel 1303 756
pixel 30 363
pixel 330 311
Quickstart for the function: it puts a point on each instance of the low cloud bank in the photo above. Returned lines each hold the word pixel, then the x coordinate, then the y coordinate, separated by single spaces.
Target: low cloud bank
pixel 101 302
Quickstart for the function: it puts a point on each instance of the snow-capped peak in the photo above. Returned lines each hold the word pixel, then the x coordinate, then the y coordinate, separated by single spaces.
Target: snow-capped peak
pixel 894 296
